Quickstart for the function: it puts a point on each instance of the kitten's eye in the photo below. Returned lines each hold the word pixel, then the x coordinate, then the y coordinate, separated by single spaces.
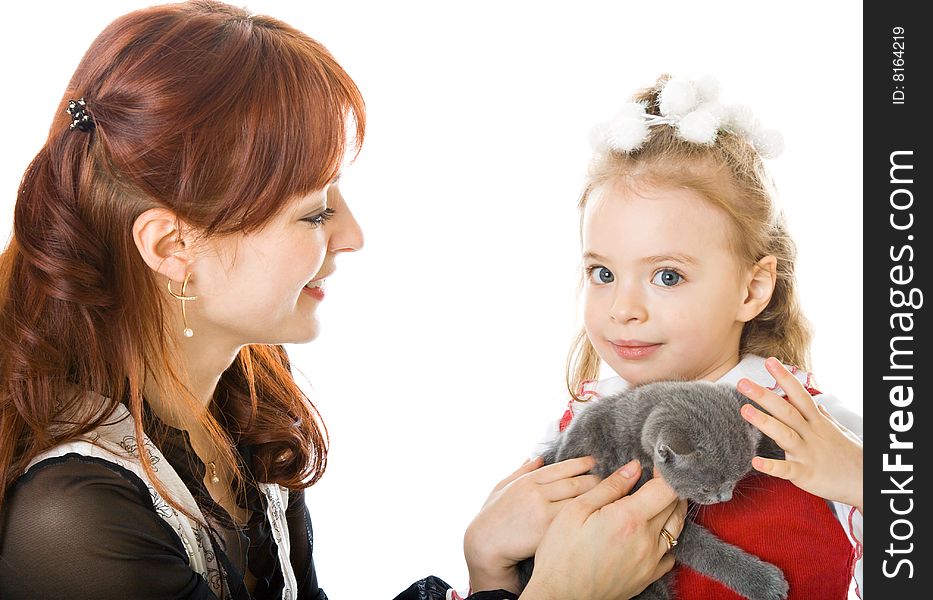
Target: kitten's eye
pixel 668 277
pixel 602 275
pixel 706 489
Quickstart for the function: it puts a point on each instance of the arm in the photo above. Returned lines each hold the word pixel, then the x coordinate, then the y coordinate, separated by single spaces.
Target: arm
pixel 822 456
pixel 81 527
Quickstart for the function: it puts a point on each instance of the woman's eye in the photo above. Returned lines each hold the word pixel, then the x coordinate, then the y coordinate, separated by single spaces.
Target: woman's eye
pixel 600 275
pixel 320 218
pixel 667 277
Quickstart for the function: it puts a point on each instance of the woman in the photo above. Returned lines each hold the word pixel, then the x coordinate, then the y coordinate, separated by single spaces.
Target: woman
pixel 173 232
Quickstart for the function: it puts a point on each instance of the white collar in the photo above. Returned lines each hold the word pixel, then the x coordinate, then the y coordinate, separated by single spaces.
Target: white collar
pixel 751 366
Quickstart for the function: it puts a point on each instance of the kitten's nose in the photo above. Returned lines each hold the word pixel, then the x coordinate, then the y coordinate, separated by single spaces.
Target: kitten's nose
pixel 725 495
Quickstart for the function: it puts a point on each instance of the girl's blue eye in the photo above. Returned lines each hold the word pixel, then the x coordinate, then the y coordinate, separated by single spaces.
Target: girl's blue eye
pixel 668 277
pixel 602 275
pixel 320 218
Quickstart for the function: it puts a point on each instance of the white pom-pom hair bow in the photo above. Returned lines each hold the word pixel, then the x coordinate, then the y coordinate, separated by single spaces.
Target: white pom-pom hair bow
pixel 693 109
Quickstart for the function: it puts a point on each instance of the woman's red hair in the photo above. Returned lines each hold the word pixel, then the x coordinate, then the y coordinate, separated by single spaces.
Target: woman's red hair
pixel 219 116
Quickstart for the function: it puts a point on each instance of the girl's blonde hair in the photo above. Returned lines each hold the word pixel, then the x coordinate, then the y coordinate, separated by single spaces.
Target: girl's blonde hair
pixel 729 174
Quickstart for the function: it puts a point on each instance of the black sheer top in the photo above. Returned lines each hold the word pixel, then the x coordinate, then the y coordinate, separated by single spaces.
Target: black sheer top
pixel 82 527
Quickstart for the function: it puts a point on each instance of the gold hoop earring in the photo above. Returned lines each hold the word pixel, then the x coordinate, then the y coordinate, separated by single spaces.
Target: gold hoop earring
pixel 184 315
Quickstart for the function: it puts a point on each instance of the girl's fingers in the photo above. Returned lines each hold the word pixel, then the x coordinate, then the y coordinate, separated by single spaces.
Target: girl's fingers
pixel 786 438
pixel 565 468
pixel 785 469
pixel 570 487
pixel 527 467
pixel 842 428
pixel 796 393
pixel 778 407
pixel 825 412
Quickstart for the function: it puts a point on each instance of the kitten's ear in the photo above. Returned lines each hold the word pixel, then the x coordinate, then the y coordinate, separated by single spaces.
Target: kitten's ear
pixel 664 453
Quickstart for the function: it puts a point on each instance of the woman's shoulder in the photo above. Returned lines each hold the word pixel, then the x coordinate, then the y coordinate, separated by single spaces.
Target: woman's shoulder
pixel 81 526
pixel 72 489
pixel 58 468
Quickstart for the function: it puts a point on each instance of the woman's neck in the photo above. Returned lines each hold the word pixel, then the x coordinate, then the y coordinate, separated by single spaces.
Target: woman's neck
pixel 203 362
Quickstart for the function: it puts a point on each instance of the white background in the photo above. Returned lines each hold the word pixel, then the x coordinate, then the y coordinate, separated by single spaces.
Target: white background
pixel 443 345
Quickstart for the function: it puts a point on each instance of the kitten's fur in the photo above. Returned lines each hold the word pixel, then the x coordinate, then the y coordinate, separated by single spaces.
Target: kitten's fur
pixel 693 433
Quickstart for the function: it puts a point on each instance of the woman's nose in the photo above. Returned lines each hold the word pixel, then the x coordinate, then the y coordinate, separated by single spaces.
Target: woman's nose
pixel 347 235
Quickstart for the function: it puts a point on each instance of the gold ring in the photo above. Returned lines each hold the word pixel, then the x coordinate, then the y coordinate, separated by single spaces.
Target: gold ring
pixel 671 540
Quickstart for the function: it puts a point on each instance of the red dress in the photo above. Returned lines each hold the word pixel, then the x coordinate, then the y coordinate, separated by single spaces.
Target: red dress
pixel 785 526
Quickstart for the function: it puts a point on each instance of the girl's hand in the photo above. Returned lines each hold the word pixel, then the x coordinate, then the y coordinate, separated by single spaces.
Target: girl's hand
pixel 821 456
pixel 515 516
pixel 606 545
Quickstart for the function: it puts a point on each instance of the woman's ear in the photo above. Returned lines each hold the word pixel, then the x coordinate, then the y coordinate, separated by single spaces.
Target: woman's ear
pixel 758 288
pixel 158 236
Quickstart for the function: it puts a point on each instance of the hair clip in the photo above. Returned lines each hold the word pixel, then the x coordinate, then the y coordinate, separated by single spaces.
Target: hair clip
pixel 79 117
pixel 693 109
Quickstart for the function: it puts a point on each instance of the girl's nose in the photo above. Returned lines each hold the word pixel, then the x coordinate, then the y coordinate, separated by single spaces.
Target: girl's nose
pixel 627 305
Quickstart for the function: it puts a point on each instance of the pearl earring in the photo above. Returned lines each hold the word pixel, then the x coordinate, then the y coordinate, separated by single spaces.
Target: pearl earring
pixel 214 477
pixel 188 332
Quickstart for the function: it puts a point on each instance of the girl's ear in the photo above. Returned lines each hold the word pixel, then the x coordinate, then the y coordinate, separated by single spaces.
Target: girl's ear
pixel 759 286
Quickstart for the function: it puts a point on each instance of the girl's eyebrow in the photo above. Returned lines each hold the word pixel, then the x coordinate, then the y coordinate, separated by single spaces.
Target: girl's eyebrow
pixel 589 254
pixel 681 258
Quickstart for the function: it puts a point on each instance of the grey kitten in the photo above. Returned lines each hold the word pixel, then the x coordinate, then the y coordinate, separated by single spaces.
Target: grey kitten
pixel 693 433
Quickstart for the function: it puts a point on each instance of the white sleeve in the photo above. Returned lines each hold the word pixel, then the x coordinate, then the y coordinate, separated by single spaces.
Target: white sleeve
pixel 847 417
pixel 559 407
pixel 848 516
pixel 851 521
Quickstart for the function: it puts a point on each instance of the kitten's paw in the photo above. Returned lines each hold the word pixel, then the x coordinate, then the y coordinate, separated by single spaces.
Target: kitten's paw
pixel 656 591
pixel 768 583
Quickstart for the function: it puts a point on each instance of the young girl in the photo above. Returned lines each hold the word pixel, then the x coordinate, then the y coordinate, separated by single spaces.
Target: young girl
pixel 689 275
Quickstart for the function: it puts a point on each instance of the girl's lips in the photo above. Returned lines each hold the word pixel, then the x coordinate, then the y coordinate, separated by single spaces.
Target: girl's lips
pixel 635 351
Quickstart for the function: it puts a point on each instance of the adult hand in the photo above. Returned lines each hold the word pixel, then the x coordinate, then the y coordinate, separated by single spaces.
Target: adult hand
pixel 515 516
pixel 606 545
pixel 821 456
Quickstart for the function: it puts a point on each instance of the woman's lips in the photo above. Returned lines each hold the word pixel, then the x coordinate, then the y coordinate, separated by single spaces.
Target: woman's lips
pixel 317 292
pixel 633 349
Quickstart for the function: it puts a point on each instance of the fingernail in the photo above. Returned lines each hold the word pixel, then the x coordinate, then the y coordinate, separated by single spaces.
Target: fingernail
pixel 773 362
pixel 629 470
pixel 744 385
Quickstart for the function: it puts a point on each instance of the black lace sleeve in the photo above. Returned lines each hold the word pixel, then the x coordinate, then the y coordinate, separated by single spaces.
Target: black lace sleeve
pixel 301 538
pixel 81 527
pixel 435 588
